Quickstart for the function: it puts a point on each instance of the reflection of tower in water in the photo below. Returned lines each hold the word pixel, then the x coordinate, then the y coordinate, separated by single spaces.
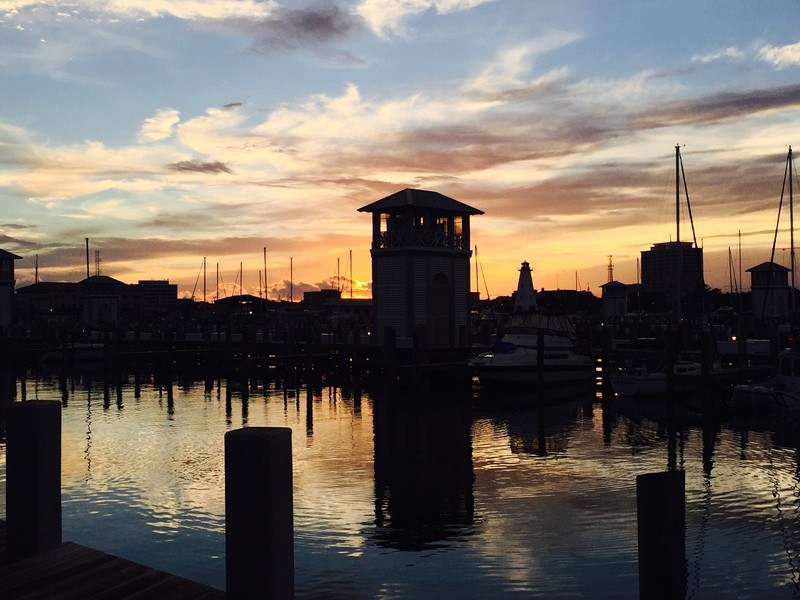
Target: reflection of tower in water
pixel 423 472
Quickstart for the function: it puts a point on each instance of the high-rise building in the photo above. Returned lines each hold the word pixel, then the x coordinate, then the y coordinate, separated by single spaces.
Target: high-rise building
pixel 672 268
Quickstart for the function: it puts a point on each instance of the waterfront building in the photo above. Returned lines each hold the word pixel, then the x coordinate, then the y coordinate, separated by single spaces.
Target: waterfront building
pixel 97 301
pixel 7 283
pixel 769 284
pixel 669 268
pixel 615 300
pixel 420 268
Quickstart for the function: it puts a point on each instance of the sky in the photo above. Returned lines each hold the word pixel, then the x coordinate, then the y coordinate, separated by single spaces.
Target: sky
pixel 173 134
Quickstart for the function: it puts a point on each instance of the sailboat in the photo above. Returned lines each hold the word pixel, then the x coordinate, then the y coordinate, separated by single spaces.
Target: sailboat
pixel 537 348
pixel 782 391
pixel 647 378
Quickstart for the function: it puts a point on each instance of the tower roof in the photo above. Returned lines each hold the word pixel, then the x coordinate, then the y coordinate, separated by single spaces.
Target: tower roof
pixel 769 266
pixel 421 199
pixel 7 254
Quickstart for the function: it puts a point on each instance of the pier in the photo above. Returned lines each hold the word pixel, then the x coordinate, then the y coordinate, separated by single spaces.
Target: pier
pixel 74 571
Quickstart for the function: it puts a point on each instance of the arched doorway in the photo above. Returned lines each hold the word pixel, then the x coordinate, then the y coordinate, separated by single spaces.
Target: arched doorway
pixel 439 316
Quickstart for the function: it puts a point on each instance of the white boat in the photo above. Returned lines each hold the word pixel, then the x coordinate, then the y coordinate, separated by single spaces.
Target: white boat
pixel 515 358
pixel 639 380
pixel 781 392
pixel 528 331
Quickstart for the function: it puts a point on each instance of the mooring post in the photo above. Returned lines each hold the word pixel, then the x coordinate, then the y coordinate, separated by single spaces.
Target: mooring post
pixel 259 529
pixel 540 365
pixel 661 519
pixel 390 349
pixel 33 472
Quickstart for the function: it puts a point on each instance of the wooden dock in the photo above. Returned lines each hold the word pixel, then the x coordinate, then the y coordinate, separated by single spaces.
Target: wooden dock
pixel 72 571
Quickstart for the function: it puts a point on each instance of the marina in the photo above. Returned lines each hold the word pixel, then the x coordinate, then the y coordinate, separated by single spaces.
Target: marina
pixel 425 443
pixel 403 496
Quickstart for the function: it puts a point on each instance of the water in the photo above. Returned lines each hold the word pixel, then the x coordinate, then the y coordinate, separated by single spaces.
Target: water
pixel 395 499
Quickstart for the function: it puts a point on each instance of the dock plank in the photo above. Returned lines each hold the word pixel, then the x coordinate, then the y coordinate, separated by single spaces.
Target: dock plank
pixel 72 571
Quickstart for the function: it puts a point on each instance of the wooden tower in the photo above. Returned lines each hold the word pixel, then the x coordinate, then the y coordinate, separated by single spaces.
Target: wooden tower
pixel 420 268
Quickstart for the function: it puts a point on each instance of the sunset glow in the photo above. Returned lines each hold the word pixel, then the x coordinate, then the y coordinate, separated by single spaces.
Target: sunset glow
pixel 171 133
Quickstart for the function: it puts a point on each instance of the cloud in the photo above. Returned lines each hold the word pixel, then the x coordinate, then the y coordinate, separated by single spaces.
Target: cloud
pixel 510 68
pixel 719 107
pixel 781 56
pixel 181 9
pixel 729 52
pixel 390 16
pixel 200 166
pixel 314 26
pixel 778 56
pixel 160 126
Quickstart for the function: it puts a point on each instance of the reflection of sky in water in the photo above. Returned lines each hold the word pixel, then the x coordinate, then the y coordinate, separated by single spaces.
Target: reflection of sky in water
pixel 382 509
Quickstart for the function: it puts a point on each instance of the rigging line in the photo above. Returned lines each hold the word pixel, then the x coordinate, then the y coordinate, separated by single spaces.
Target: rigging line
pixel 194 289
pixel 786 174
pixel 734 285
pixel 688 204
pixel 485 285
pixel 780 207
pixel 224 291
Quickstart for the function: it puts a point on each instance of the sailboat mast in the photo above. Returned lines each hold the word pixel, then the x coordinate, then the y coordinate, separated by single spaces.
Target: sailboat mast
pixel 678 193
pixel 678 248
pixel 791 225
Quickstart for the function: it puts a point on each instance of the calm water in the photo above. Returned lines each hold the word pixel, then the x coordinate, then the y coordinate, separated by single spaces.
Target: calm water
pixel 394 499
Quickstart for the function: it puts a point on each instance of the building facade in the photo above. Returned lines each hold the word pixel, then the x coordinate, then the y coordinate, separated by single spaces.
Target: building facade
pixel 771 292
pixel 672 269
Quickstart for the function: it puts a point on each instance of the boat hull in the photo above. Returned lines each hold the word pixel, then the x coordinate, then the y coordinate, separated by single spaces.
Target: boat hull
pixel 551 376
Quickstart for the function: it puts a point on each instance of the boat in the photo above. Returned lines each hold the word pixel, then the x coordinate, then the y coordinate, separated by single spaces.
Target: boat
pixel 640 379
pixel 536 349
pixel 780 392
pixel 74 352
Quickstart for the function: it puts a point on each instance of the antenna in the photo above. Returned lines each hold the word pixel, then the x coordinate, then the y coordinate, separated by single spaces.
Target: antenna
pixel 97 262
pixel 610 269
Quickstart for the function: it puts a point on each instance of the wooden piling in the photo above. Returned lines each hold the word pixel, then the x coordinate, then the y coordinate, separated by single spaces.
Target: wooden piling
pixel 661 519
pixel 33 471
pixel 540 366
pixel 259 530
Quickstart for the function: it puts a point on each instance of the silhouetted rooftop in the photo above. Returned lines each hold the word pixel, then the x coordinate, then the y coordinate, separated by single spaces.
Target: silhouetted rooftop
pixel 769 266
pixel 102 280
pixel 422 199
pixel 7 254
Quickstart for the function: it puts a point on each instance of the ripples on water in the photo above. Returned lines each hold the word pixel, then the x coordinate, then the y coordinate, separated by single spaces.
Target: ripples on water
pixel 400 499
